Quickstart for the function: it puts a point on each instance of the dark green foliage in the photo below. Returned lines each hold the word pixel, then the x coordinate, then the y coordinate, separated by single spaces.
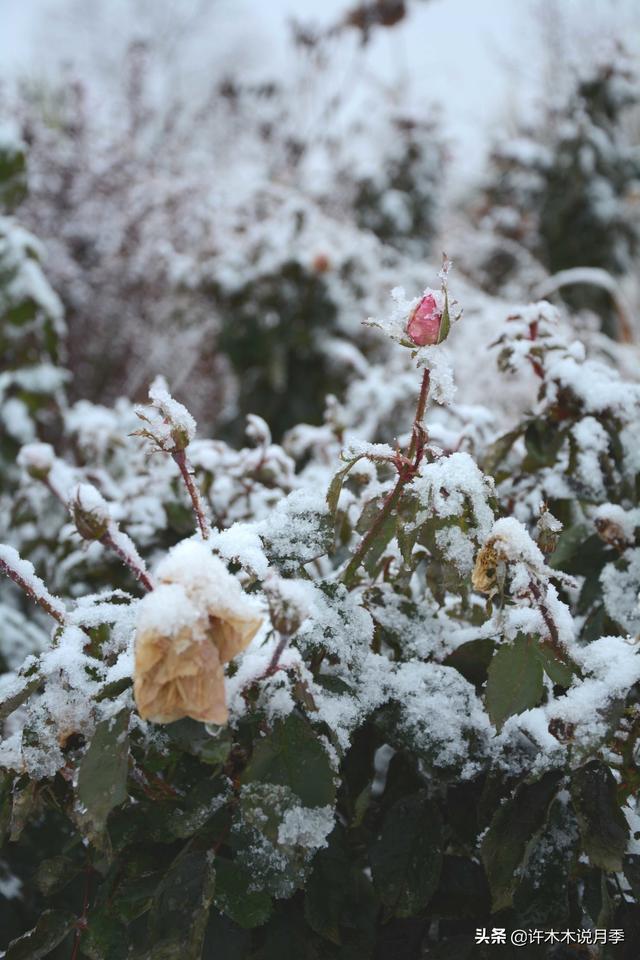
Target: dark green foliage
pixel 514 680
pixel 276 332
pixel 402 206
pixel 603 827
pixel 293 757
pixel 562 192
pixel 406 857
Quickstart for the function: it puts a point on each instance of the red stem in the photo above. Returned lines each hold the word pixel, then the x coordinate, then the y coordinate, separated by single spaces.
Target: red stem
pixel 40 600
pixel 139 572
pixel 180 458
pixel 406 472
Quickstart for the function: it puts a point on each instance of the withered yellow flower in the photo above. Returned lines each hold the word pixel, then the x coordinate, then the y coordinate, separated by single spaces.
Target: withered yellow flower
pixel 484 573
pixel 197 619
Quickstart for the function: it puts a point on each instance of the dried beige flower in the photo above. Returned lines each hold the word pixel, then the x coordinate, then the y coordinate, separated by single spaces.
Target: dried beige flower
pixel 485 570
pixel 197 619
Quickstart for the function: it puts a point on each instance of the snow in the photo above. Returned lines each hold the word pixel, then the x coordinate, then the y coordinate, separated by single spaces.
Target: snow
pixel 37 458
pixel 192 566
pixel 515 544
pixel 306 827
pixel 174 412
pixel 167 610
pixel 620 590
pixel 13 563
pixel 89 499
pixel 446 486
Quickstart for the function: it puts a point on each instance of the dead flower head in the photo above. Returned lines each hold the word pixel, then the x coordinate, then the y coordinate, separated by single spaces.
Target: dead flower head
pixel 197 619
pixel 485 571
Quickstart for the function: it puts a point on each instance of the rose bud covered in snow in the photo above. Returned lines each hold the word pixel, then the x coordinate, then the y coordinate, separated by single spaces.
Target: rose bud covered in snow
pixel 90 511
pixel 197 619
pixel 424 326
pixel 37 459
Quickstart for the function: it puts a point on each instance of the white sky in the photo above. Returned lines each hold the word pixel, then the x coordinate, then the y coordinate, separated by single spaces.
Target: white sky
pixel 478 58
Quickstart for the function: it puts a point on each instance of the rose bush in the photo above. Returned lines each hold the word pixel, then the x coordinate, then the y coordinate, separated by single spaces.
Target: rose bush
pixel 344 698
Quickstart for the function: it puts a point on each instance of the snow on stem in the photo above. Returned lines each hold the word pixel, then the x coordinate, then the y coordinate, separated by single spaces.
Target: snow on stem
pixel 22 572
pixel 184 466
pixel 124 547
pixel 407 468
pixel 92 517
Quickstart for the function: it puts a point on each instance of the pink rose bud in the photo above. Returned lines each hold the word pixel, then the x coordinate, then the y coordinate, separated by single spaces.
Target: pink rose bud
pixel 424 323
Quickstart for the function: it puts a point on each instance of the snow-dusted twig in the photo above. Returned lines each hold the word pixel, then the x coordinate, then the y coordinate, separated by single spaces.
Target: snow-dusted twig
pixel 91 515
pixel 124 547
pixel 186 472
pixel 407 468
pixel 171 428
pixel 281 646
pixel 22 572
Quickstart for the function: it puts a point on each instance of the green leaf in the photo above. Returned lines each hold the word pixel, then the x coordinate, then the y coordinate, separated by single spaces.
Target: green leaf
pixel 105 938
pixel 558 672
pixel 445 322
pixel 327 888
pixel 369 513
pixel 192 737
pixel 201 804
pixel 595 896
pixel 462 891
pixel 293 756
pixel 513 825
pixel 498 450
pixel 5 804
pixel 50 930
pixel 333 493
pixel 603 826
pixel 541 897
pixel 579 551
pixel 180 909
pixel 514 681
pixel 23 803
pixel 54 874
pixel 225 940
pixel 235 898
pixel 379 543
pixel 102 775
pixel 472 659
pixel 543 442
pixel 406 857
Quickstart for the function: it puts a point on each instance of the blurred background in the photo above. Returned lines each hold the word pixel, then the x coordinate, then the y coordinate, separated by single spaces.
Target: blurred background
pixel 221 191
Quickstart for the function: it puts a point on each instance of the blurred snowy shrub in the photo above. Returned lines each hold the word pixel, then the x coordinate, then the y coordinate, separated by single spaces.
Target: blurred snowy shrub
pixel 436 727
pixel 31 320
pixel 233 233
pixel 564 193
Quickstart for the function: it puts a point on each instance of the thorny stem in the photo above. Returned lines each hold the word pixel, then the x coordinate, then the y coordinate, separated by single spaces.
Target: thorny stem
pixel 39 598
pixel 417 440
pixel 390 502
pixel 407 469
pixel 134 563
pixel 281 646
pixel 180 458
pixel 554 637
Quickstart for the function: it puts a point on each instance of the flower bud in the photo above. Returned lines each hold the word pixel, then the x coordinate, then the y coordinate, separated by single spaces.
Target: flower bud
pixel 37 459
pixel 425 321
pixel 90 512
pixel 549 529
